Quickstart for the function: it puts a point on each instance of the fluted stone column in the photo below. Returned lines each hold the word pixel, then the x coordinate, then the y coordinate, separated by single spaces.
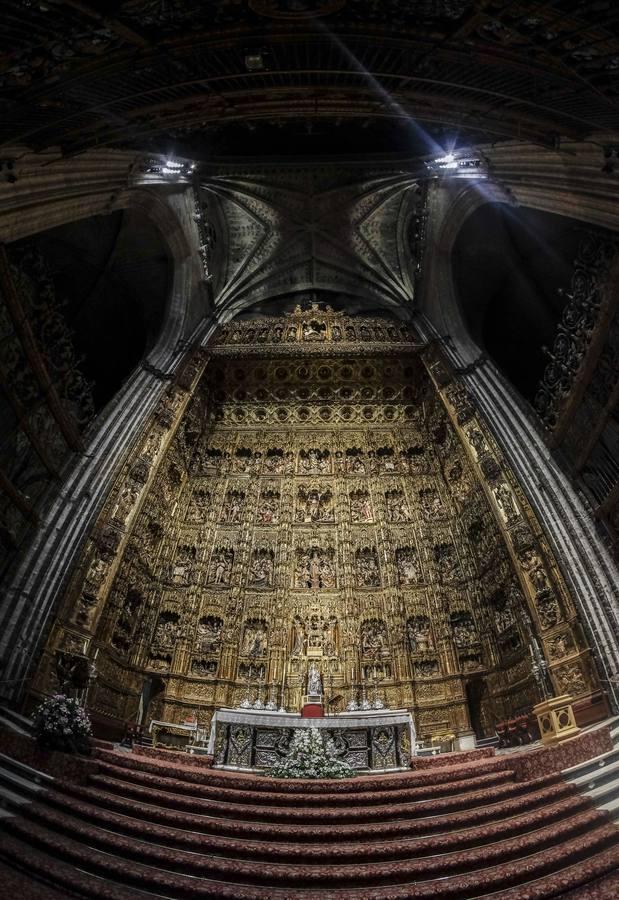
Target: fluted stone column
pixel 563 513
pixel 30 598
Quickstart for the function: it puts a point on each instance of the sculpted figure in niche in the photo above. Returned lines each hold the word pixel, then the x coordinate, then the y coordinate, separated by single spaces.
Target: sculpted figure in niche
pixel 386 460
pixel 313 461
pixel 314 681
pixel 221 566
pixel 477 442
pixel 360 507
pixel 198 506
pixel 127 499
pixel 407 565
pixel 233 504
pixel 354 462
pixel 463 628
pixel 548 610
pixel 314 633
pixel 431 504
pixel 397 508
pixel 426 668
pixel 268 509
pixel 539 580
pixel 261 570
pixel 96 572
pixel 315 505
pixel 314 330
pixel 367 573
pixel 503 616
pixel 181 569
pixel 315 569
pixel 374 638
pixel 419 634
pixel 167 630
pixel 242 461
pixel 561 645
pixel 209 634
pixel 571 680
pixel 203 667
pixel 505 502
pixel 330 637
pixel 298 637
pixel 446 560
pixel 274 462
pixel 254 638
pixel 159 663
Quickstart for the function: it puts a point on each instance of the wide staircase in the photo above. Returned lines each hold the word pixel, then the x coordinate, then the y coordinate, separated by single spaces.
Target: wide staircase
pixel 146 826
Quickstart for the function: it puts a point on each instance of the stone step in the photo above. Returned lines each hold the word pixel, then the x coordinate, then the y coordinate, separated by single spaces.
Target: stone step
pixel 281 846
pixel 8 714
pixel 538 795
pixel 258 812
pixel 267 882
pixel 365 785
pixel 277 795
pixel 328 870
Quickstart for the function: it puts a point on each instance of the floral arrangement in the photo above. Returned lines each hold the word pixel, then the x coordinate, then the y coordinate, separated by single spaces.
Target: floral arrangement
pixel 60 723
pixel 310 757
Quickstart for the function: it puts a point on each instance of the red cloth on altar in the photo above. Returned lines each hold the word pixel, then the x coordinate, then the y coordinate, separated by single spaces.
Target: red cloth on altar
pixel 313 711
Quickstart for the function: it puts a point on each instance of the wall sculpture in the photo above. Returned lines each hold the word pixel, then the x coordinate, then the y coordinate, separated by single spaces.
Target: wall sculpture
pixel 330 497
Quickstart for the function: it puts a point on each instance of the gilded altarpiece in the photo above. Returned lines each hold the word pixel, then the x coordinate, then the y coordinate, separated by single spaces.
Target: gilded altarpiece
pixel 330 496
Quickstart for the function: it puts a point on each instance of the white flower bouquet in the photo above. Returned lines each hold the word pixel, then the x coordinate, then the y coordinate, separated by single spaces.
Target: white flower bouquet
pixel 60 723
pixel 310 757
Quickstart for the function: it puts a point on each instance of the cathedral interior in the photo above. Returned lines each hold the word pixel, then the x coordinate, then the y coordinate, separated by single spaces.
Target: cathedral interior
pixel 309 324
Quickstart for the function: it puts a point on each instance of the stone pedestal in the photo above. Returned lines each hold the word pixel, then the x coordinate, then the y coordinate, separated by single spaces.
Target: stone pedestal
pixel 555 718
pixel 312 706
pixel 465 741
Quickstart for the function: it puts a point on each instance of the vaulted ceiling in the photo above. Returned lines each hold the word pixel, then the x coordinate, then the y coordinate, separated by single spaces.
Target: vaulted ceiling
pixel 313 229
pixel 270 76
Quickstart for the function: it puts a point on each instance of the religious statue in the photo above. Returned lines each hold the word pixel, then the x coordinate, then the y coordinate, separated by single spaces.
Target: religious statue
pixel 505 502
pixel 355 465
pixel 419 634
pixel 330 640
pixel 221 567
pixel 261 571
pixel 406 563
pixel 314 569
pixel 231 513
pixel 254 639
pixel 209 635
pixel 314 505
pixel 373 638
pixel 360 507
pixel 367 573
pixel 539 580
pixel 397 510
pixel 298 637
pixel 268 508
pixel 314 681
pixel 463 628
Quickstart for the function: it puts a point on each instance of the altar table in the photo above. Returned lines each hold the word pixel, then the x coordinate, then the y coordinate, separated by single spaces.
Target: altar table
pixel 372 741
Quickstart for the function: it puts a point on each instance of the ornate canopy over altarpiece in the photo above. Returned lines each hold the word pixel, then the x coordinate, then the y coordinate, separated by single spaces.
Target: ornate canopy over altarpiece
pixel 318 488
